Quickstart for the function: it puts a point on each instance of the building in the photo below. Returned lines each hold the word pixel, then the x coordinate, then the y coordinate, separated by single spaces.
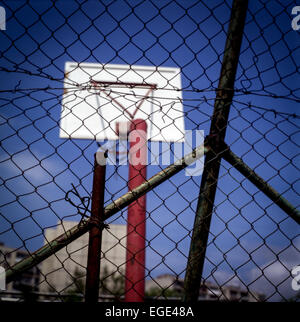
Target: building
pixel 209 291
pixel 61 272
pixel 169 286
pixel 166 285
pixel 27 282
pixel 58 274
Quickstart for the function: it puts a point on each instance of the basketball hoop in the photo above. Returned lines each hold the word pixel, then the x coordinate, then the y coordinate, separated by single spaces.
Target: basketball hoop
pixel 123 101
pixel 111 93
pixel 103 86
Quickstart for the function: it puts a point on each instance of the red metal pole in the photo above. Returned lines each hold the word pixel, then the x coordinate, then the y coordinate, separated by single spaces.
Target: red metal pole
pixel 95 235
pixel 136 226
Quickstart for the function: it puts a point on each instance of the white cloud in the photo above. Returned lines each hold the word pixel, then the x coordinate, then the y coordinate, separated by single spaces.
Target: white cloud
pixel 31 166
pixel 274 277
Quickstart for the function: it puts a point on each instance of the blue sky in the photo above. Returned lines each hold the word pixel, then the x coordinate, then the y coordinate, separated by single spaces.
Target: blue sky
pixel 37 167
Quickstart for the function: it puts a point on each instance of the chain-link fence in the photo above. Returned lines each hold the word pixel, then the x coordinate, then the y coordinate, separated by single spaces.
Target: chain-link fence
pixel 228 234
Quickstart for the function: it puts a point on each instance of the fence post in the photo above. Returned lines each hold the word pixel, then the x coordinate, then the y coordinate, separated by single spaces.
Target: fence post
pixel 95 234
pixel 210 174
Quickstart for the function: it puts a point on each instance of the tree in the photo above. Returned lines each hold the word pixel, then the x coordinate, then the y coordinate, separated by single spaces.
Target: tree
pixel 295 298
pixel 27 293
pixel 112 283
pixel 75 294
pixel 156 291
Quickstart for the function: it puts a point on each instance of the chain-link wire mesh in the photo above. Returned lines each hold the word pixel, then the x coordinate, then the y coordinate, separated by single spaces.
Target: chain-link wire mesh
pixel 253 245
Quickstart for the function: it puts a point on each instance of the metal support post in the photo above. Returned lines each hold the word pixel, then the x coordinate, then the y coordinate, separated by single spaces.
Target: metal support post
pixel 213 158
pixel 95 234
pixel 136 222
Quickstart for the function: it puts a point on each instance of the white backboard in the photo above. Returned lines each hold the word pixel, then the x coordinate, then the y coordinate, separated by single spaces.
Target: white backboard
pixel 98 97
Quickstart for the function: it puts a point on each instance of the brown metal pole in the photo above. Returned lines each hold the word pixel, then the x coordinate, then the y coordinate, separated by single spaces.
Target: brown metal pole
pixel 95 235
pixel 261 184
pixel 213 158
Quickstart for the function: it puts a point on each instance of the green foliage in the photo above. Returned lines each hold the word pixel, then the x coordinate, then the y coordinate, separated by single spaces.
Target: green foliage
pixel 112 283
pixel 27 293
pixel 295 298
pixel 156 292
pixel 75 294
